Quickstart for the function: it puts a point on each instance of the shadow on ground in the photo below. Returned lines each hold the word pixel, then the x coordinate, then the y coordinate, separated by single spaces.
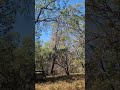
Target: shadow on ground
pixel 66 78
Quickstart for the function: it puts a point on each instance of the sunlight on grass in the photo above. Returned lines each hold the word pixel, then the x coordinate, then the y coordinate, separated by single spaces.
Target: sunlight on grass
pixel 76 84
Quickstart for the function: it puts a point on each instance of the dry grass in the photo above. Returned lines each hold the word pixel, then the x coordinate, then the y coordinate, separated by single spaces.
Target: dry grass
pixel 72 82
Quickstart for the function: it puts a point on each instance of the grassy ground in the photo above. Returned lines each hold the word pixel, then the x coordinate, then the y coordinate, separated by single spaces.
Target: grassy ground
pixel 72 82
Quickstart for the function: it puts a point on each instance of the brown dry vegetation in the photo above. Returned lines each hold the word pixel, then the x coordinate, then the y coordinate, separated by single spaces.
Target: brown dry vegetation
pixel 72 82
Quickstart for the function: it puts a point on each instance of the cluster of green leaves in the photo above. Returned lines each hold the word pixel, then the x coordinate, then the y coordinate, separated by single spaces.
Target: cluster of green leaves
pixel 42 55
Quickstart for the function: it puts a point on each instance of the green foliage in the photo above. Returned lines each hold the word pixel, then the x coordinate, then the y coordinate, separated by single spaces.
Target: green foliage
pixel 66 48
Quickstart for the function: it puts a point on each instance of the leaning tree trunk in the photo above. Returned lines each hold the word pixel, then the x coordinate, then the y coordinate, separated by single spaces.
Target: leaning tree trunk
pixel 67 66
pixel 54 58
pixel 53 64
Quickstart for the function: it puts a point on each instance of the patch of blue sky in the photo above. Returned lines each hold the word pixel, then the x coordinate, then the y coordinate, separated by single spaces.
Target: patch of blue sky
pixel 46 35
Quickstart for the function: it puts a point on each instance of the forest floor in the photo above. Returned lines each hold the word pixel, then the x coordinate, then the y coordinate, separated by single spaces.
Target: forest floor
pixel 64 82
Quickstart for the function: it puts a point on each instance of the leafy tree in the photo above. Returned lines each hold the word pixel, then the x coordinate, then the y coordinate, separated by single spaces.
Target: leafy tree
pixel 65 51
